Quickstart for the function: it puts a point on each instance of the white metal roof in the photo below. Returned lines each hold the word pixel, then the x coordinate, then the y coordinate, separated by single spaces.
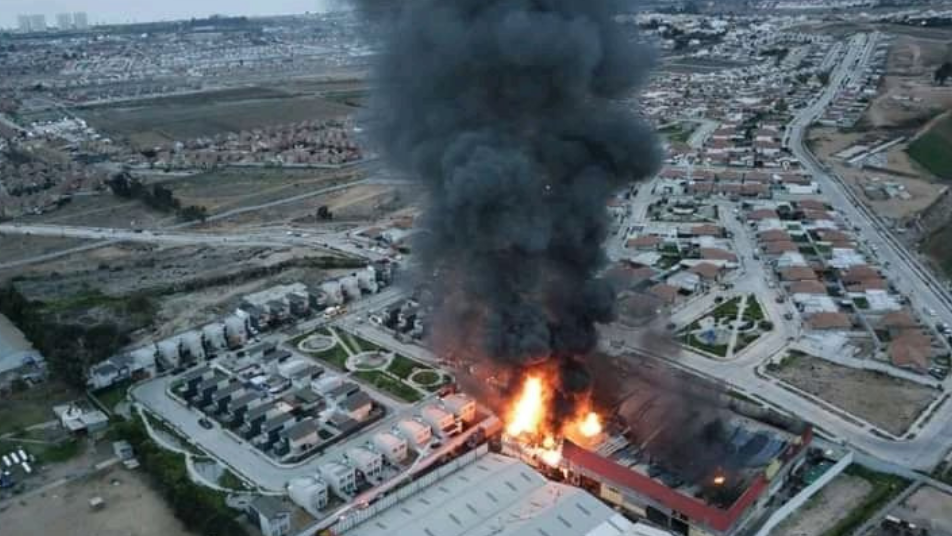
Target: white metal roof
pixel 497 496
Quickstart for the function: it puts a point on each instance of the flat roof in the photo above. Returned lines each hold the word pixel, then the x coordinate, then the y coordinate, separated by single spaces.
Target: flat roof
pixel 498 496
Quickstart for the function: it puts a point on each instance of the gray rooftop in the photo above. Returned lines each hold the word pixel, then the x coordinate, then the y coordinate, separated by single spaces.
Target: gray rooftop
pixel 356 400
pixel 302 429
pixel 269 507
pixel 497 496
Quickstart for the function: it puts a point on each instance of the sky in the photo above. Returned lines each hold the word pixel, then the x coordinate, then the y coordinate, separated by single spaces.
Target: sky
pixel 113 11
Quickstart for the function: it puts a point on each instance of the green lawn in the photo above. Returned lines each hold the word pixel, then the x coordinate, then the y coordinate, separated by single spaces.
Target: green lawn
pixel 936 246
pixel 716 349
pixel 402 366
pixel 113 395
pixel 385 382
pixel 336 356
pixel 33 406
pixel 885 487
pixel 360 344
pixel 727 309
pixel 678 132
pixel 56 453
pixel 754 312
pixel 931 149
pixel 231 481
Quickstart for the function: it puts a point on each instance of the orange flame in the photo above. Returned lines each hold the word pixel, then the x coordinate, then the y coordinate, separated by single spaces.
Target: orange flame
pixel 528 411
pixel 591 425
pixel 719 480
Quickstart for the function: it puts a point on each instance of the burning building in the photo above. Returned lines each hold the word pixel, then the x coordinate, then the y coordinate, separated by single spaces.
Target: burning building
pixel 690 462
pixel 509 113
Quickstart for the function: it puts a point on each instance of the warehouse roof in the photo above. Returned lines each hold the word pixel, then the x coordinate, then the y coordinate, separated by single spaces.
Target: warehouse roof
pixel 498 496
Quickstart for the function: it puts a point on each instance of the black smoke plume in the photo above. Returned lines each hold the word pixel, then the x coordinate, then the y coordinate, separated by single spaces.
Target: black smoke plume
pixel 508 111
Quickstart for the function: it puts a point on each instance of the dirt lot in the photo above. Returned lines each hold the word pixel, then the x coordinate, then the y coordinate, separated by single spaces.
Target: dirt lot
pixel 907 101
pixel 908 96
pixel 888 403
pixel 124 269
pixel 822 512
pixel 160 121
pixel 19 247
pixel 103 210
pixel 928 507
pixel 829 141
pixel 132 509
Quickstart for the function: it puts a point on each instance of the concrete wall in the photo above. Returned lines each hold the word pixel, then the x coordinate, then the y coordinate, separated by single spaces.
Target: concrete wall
pixel 799 499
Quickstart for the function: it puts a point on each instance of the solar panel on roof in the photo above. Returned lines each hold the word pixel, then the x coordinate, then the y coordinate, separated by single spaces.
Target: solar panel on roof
pixel 428 532
pixel 510 486
pixel 583 509
pixel 564 521
pixel 455 519
pixel 471 509
pixel 525 477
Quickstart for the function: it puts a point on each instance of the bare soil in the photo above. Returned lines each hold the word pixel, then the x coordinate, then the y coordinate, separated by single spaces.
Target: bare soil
pixel 923 190
pixel 928 507
pixel 889 403
pixel 824 510
pixel 132 509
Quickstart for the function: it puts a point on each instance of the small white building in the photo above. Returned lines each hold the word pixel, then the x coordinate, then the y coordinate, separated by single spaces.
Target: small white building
pixel 368 462
pixel 214 335
pixel 415 433
pixel 236 331
pixel 350 286
pixel 393 448
pixel 440 420
pixel 367 280
pixel 331 293
pixel 462 406
pixel 170 351
pixel 302 436
pixel 273 516
pixel 193 345
pixel 341 478
pixel 310 493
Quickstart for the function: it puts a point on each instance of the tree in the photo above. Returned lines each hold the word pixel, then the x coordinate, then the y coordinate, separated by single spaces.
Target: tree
pixel 824 77
pixel 803 78
pixel 194 213
pixel 943 73
pixel 324 213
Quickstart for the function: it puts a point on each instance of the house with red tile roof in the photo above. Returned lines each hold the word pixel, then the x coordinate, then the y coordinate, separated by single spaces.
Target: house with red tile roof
pixel 830 321
pixel 912 350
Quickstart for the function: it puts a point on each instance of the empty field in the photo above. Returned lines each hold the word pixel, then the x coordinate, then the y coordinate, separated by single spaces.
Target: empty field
pixel 229 189
pixel 131 507
pixel 161 121
pixel 821 513
pixel 931 149
pixel 889 403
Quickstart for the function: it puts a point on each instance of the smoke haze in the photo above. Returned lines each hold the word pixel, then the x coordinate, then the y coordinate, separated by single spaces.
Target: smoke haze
pixel 506 110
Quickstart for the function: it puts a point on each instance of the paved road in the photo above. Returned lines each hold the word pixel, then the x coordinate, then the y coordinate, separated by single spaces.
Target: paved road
pixel 341 242
pixel 931 441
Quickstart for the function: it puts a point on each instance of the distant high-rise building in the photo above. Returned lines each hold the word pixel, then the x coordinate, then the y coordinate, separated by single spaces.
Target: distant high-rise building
pixel 80 22
pixel 37 23
pixel 24 23
pixel 64 21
